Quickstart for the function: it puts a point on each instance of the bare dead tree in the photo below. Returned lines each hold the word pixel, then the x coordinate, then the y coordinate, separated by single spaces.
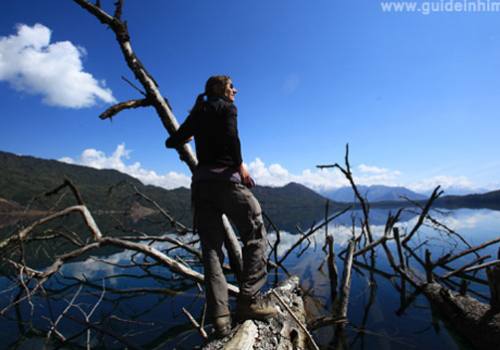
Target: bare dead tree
pixel 153 96
pixel 479 322
pixel 312 231
pixel 363 203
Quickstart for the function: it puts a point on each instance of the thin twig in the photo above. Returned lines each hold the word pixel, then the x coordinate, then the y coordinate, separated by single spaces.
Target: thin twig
pixel 195 323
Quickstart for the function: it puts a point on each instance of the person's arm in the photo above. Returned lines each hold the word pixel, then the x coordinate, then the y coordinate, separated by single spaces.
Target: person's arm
pixel 183 134
pixel 233 140
pixel 235 147
pixel 245 176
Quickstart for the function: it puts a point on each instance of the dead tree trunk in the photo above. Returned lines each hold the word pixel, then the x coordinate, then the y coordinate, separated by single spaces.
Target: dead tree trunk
pixel 153 98
pixel 285 331
pixel 478 322
pixel 494 282
pixel 290 332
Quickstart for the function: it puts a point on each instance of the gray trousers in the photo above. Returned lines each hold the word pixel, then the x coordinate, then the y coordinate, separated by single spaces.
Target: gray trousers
pixel 212 199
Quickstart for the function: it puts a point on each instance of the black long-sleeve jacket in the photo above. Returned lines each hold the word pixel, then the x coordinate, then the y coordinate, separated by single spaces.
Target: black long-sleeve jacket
pixel 215 130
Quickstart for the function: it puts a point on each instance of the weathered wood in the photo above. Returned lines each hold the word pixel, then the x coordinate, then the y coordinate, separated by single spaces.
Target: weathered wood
pixel 447 258
pixel 397 238
pixel 162 258
pixel 435 195
pixel 296 319
pixel 428 266
pixel 371 246
pixel 332 267
pixel 476 321
pixel 195 323
pixel 365 206
pixel 82 209
pixel 234 250
pixel 482 266
pixel 153 96
pixel 117 108
pixel 466 266
pixel 279 332
pixel 494 282
pixel 346 282
pixel 244 338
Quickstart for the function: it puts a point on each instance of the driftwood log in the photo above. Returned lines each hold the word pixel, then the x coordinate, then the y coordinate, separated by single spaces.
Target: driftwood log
pixel 476 321
pixel 285 331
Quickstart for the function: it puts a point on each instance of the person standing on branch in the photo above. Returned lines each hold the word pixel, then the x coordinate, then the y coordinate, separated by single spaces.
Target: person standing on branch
pixel 220 185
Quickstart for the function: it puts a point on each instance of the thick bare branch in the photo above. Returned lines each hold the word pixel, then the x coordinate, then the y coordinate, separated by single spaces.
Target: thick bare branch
pixel 24 233
pixel 447 259
pixel 437 223
pixel 234 249
pixel 464 267
pixel 435 195
pixel 117 108
pixel 346 282
pixel 150 86
pixel 118 9
pixel 365 207
pixel 96 10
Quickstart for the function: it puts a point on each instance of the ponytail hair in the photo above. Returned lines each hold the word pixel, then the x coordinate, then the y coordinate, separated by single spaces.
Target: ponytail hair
pixel 198 104
pixel 214 87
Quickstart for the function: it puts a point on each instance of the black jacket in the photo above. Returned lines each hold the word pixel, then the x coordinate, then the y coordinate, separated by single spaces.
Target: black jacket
pixel 215 130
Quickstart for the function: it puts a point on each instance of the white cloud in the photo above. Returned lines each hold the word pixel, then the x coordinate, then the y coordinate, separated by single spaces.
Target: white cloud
pixel 321 179
pixel 326 179
pixel 371 169
pixel 451 183
pixel 99 160
pixel 275 175
pixel 30 63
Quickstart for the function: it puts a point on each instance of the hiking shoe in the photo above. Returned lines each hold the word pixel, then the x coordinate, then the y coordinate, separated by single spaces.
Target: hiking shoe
pixel 222 326
pixel 254 309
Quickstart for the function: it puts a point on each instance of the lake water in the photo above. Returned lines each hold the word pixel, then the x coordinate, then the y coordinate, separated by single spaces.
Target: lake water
pixel 154 319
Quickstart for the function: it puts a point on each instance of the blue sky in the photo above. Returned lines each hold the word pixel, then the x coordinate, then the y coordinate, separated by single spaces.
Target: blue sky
pixel 416 96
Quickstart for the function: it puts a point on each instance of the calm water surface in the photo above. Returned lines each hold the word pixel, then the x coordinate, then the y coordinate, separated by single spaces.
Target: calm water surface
pixel 155 320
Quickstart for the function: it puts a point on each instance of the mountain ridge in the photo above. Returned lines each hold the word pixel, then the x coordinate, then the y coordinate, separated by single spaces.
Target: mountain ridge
pixel 23 178
pixel 374 193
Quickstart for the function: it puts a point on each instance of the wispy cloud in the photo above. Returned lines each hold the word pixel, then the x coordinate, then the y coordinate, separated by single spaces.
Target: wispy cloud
pixel 99 160
pixel 30 63
pixel 370 169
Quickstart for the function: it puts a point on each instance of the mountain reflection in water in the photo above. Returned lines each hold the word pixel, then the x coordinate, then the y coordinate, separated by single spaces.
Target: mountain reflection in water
pixel 153 319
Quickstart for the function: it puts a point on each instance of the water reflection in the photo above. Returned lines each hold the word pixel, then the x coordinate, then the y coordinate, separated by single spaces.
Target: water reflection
pixel 144 304
pixel 385 312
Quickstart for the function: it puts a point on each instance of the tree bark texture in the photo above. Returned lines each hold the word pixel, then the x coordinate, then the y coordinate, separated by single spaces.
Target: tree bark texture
pixel 280 332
